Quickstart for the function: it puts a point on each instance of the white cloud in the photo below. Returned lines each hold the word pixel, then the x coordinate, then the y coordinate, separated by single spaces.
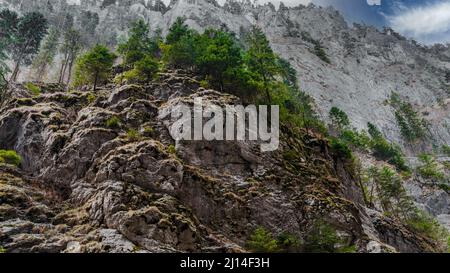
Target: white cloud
pixel 424 23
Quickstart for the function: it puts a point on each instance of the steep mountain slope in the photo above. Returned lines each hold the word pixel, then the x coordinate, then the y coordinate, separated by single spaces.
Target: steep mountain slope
pixel 128 192
pixel 86 186
pixel 366 65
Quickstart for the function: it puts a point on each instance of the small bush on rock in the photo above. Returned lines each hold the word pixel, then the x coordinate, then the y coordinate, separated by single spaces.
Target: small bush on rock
pixel 10 157
pixel 262 241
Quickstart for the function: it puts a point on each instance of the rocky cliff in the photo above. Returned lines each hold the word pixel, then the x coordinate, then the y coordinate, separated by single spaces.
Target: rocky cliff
pixel 86 185
pixel 365 64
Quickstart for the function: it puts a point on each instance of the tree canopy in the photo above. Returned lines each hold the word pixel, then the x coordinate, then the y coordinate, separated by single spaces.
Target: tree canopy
pixel 22 36
pixel 139 44
pixel 95 66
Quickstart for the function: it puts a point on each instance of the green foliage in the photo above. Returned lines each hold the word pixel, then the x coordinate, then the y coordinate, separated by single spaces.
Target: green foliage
pixel 320 52
pixel 395 202
pixel 430 168
pixel 288 242
pixel 260 58
pixel 220 57
pixel 171 149
pixel 144 70
pixel 139 45
pixel 339 118
pixel 2 250
pixel 392 196
pixel 182 53
pixel 70 48
pixel 445 187
pixel 113 122
pixel 255 73
pixel 318 48
pixel 46 55
pixel 148 131
pixel 262 241
pixel 340 148
pixel 357 139
pixel 133 135
pixel 412 127
pixel 446 150
pixel 94 67
pixel 22 36
pixel 91 98
pixel 386 151
pixel 10 157
pixel 323 238
pixel 34 89
pixel 428 226
pixel 178 30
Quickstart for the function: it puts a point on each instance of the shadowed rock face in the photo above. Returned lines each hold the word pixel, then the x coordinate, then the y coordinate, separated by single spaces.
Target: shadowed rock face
pixel 86 186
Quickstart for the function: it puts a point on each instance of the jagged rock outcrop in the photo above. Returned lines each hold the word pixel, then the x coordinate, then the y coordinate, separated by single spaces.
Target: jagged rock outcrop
pixel 366 64
pixel 88 186
pixel 123 192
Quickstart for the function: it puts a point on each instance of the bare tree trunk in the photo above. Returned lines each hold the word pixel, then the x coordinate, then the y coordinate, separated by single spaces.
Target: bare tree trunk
pixel 95 81
pixel 63 68
pixel 41 72
pixel 15 72
pixel 70 71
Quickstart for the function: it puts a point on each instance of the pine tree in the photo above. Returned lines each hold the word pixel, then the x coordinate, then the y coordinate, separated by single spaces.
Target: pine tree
pixel 139 45
pixel 177 31
pixel 27 34
pixel 219 57
pixel 261 59
pixel 95 66
pixel 8 23
pixel 70 49
pixel 46 54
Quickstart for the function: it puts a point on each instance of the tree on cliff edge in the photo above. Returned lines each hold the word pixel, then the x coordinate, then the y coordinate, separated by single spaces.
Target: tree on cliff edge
pixel 94 67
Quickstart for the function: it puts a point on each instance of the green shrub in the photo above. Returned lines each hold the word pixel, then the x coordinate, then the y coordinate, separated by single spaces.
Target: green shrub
pixel 445 187
pixel 113 122
pixel 320 52
pixel 133 135
pixel 171 149
pixel 412 126
pixel 34 89
pixel 339 118
pixel 428 226
pixel 391 194
pixel 430 168
pixel 340 148
pixel 2 250
pixel 262 241
pixel 386 151
pixel 288 242
pixel 323 238
pixel 91 98
pixel 446 150
pixel 448 244
pixel 144 70
pixel 10 157
pixel 358 140
pixel 148 130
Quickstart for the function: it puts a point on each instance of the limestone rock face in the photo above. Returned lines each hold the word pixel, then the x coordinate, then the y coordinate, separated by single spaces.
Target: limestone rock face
pixel 87 184
pixel 90 185
pixel 366 64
